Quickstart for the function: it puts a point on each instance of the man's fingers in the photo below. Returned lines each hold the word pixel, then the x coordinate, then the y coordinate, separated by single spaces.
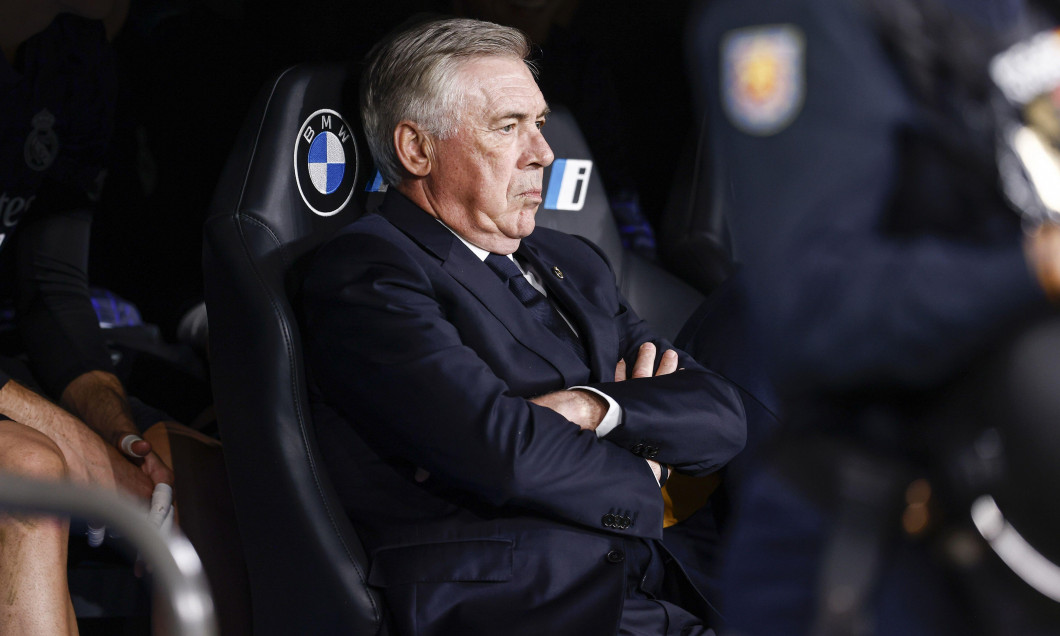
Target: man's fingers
pixel 1043 252
pixel 157 470
pixel 620 371
pixel 645 361
pixel 668 363
pixel 135 446
pixel 161 504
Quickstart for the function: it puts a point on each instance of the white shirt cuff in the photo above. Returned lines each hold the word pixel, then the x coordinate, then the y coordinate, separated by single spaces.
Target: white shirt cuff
pixel 613 415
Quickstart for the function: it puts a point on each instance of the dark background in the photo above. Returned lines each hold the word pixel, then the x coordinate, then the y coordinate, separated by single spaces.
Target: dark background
pixel 190 70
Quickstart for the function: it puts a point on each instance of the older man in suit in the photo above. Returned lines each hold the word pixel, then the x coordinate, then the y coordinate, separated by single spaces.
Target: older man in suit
pixel 470 371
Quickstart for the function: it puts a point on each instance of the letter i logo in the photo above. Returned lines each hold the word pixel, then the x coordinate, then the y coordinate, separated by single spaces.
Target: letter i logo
pixel 568 184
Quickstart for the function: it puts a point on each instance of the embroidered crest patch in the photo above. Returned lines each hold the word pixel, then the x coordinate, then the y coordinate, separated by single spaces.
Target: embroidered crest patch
pixel 42 145
pixel 763 77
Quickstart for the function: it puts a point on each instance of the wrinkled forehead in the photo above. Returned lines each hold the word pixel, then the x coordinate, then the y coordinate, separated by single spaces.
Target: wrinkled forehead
pixel 497 86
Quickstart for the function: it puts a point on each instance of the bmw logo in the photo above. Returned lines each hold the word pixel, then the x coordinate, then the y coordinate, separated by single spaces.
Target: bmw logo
pixel 325 162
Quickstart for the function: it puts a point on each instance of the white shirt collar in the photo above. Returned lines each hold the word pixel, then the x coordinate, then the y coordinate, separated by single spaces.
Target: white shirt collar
pixel 475 249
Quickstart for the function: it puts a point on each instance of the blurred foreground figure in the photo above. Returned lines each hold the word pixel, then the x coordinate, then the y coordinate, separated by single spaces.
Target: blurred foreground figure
pixel 860 146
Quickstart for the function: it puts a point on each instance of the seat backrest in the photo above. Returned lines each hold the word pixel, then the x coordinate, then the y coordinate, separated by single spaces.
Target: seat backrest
pixel 693 239
pixel 576 203
pixel 297 173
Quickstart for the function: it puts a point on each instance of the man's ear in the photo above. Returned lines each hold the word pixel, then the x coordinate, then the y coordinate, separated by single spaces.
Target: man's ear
pixel 414 148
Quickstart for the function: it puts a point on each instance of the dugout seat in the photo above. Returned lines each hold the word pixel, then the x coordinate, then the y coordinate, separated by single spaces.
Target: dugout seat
pixel 297 173
pixel 575 202
pixel 693 238
pixel 306 565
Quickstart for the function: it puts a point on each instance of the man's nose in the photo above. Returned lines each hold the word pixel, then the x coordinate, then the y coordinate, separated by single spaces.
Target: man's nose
pixel 538 152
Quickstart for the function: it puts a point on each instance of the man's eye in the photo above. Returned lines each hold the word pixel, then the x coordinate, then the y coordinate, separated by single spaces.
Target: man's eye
pixel 540 124
pixel 508 128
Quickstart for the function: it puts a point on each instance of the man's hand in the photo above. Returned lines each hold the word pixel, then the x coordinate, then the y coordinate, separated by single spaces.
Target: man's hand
pixel 656 468
pixel 646 362
pixel 584 408
pixel 642 369
pixel 89 459
pixel 1042 249
pixel 98 398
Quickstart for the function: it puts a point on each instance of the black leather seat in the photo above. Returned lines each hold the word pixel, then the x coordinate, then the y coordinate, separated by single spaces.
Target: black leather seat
pixel 306 565
pixel 693 236
pixel 576 203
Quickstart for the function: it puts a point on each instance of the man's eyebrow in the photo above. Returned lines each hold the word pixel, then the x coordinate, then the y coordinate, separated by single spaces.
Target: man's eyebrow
pixel 524 116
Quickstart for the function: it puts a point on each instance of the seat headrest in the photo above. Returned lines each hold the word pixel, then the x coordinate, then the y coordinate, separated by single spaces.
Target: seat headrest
pixel 574 197
pixel 300 165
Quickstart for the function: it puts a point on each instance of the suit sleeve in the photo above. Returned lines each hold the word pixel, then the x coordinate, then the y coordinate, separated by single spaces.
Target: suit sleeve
pixel 383 353
pixel 692 419
pixel 56 316
pixel 845 302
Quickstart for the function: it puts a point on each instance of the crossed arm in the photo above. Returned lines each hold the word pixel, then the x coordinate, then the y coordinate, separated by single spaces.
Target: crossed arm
pixel 587 409
pixel 395 360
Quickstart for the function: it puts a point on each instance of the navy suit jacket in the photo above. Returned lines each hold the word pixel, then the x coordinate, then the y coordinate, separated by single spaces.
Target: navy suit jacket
pixel 481 511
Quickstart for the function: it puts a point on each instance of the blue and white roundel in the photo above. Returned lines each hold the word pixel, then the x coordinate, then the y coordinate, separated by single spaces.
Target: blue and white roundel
pixel 327 162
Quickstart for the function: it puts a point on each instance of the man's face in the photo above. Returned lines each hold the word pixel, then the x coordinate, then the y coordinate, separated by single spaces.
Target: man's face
pixel 485 182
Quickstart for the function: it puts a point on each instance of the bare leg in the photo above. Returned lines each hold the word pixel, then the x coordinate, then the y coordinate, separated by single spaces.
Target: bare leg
pixel 34 598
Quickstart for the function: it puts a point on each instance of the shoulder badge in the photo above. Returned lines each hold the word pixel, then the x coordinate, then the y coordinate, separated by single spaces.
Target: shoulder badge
pixel 763 77
pixel 325 162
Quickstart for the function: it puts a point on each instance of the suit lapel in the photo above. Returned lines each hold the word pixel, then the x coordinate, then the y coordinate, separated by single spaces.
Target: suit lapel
pixel 595 327
pixel 475 276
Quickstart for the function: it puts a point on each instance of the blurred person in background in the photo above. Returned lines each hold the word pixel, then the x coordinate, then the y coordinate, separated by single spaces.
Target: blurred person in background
pixel 65 414
pixel 858 146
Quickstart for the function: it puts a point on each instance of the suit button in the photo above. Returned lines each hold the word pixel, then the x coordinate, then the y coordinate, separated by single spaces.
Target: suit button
pixel 637 449
pixel 651 452
pixel 624 522
pixel 615 556
pixel 608 521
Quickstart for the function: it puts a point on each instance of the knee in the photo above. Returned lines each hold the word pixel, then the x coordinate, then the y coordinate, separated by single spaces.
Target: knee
pixel 35 457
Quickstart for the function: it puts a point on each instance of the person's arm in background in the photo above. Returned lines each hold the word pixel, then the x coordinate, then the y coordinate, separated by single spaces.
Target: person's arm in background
pixel 63 336
pixel 56 318
pixel 88 457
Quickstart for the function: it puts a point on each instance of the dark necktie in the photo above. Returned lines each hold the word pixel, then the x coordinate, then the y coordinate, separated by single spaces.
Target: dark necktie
pixel 536 302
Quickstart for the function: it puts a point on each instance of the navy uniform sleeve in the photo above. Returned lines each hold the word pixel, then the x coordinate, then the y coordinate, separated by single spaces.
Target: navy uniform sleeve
pixel 56 317
pixel 843 302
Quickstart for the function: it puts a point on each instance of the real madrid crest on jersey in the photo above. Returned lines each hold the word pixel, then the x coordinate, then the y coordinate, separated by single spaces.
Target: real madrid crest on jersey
pixel 42 145
pixel 763 77
pixel 325 162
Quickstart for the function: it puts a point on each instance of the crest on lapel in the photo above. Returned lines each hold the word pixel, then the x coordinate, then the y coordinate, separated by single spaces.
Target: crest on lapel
pixel 763 77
